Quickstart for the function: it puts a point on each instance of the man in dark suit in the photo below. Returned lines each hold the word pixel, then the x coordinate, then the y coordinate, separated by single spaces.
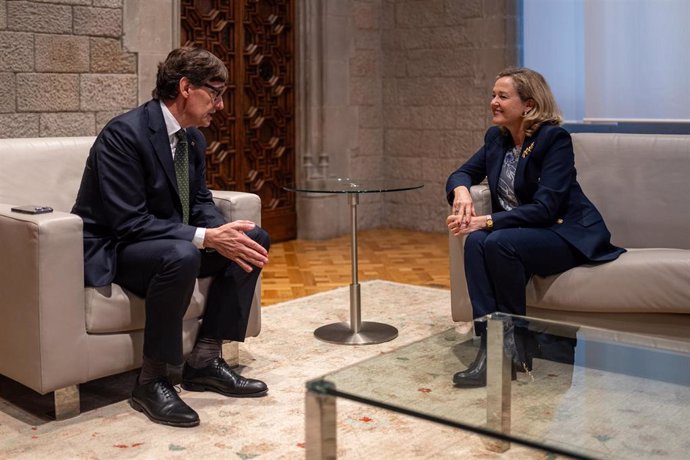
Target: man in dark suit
pixel 150 225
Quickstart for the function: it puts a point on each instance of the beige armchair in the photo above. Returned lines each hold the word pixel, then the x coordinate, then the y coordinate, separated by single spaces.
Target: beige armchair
pixel 54 333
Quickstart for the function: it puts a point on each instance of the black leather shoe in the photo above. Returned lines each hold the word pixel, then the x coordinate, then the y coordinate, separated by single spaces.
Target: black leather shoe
pixel 527 348
pixel 218 377
pixel 159 401
pixel 475 375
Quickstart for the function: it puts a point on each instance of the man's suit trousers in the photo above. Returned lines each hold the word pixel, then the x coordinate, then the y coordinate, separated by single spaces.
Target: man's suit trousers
pixel 164 273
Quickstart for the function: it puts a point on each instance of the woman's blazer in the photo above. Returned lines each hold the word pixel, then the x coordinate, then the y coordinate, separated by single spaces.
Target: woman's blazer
pixel 546 187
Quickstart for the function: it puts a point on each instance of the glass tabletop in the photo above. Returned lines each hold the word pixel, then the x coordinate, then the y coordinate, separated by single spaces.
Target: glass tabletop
pixel 346 185
pixel 591 393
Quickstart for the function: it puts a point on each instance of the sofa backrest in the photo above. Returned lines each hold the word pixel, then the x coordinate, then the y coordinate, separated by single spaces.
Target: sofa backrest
pixel 42 171
pixel 641 185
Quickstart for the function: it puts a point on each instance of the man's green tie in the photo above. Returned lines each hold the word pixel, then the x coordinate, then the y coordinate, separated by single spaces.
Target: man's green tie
pixel 182 172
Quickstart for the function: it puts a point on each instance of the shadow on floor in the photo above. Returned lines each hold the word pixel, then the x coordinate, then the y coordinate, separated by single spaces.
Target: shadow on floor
pixel 27 406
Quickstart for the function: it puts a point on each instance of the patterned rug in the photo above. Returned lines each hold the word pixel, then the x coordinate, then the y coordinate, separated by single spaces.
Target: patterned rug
pixel 285 355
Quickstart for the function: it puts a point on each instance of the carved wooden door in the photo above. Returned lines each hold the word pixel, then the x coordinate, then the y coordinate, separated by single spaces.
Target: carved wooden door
pixel 251 143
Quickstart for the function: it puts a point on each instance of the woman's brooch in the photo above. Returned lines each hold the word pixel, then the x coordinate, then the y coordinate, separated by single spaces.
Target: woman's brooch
pixel 528 150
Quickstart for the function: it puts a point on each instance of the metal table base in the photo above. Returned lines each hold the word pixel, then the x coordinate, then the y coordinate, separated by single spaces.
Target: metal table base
pixel 356 332
pixel 369 332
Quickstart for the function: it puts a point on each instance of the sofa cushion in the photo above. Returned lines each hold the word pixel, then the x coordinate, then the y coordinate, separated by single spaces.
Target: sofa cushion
pixel 115 309
pixel 639 281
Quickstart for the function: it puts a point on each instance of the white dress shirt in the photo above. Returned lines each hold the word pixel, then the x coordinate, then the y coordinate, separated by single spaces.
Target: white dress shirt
pixel 172 126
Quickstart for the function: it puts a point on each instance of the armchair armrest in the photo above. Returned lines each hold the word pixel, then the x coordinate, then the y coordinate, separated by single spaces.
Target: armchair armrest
pixel 42 324
pixel 238 205
pixel 247 206
pixel 481 197
pixel 461 308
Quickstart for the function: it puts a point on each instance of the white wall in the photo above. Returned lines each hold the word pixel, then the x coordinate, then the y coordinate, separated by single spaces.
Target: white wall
pixel 612 60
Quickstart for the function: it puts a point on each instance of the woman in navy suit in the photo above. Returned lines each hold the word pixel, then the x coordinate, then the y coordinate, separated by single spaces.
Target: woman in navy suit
pixel 541 221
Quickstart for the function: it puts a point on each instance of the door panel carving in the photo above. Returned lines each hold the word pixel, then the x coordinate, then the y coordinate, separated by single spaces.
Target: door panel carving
pixel 252 142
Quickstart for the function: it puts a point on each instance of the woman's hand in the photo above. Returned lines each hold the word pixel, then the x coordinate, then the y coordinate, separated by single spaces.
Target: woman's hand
pixel 457 225
pixel 462 204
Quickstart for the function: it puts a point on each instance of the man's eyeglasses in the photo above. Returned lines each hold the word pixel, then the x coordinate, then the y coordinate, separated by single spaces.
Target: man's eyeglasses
pixel 217 92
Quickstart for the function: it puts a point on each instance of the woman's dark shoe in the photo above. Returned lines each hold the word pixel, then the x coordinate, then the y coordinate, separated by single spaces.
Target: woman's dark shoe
pixel 159 401
pixel 527 348
pixel 475 375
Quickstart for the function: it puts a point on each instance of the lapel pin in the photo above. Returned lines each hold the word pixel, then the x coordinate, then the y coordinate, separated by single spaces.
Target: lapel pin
pixel 528 150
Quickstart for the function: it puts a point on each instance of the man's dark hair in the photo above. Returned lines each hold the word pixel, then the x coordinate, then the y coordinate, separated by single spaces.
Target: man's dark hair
pixel 197 64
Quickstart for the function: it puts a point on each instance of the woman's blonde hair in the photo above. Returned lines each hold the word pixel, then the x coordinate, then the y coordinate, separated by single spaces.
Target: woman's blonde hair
pixel 530 84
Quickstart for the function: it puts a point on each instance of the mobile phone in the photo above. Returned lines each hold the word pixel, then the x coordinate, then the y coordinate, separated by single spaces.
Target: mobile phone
pixel 32 209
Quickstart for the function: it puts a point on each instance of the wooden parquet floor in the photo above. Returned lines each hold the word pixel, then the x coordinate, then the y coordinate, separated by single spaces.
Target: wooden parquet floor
pixel 299 268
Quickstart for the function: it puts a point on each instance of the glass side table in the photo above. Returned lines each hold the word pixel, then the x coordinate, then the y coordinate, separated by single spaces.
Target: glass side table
pixel 357 332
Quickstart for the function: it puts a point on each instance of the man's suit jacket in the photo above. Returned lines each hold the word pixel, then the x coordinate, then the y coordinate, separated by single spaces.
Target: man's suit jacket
pixel 546 187
pixel 129 191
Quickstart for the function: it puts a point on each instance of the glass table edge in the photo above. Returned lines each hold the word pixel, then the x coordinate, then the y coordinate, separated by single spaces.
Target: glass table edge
pixel 324 377
pixel 323 387
pixel 369 190
pixel 355 185
pixel 630 338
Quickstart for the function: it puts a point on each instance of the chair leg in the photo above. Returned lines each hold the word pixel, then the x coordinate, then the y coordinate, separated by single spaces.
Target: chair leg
pixel 67 402
pixel 231 353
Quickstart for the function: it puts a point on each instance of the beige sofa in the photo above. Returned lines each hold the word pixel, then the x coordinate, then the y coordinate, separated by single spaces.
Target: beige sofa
pixel 54 332
pixel 641 185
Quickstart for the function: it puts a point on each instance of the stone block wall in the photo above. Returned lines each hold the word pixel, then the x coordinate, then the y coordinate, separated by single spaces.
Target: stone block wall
pixel 403 86
pixel 343 85
pixel 440 60
pixel 405 96
pixel 365 71
pixel 406 86
pixel 63 68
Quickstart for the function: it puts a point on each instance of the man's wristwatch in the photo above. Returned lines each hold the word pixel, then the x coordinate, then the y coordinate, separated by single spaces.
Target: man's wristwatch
pixel 489 223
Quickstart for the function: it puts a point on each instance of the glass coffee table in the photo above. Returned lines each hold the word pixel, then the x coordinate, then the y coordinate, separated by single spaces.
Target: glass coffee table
pixel 591 393
pixel 356 332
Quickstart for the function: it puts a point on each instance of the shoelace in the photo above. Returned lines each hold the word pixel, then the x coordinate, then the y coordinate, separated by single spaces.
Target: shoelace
pixel 166 390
